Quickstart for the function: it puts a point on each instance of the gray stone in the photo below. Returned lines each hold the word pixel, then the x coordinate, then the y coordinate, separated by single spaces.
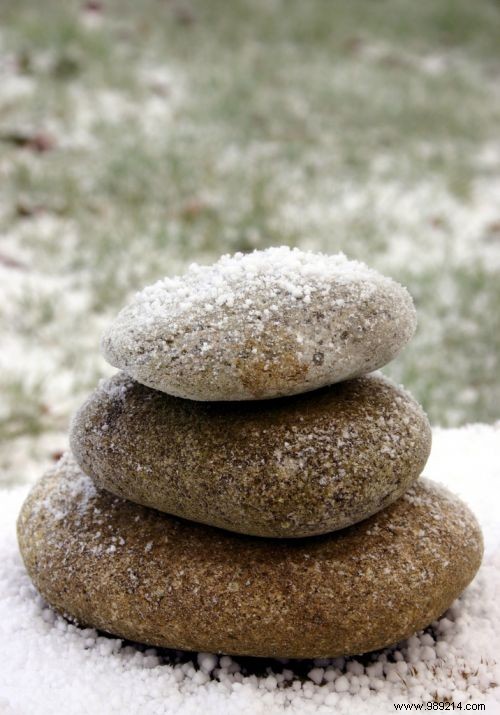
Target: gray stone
pixel 296 466
pixel 266 324
pixel 149 577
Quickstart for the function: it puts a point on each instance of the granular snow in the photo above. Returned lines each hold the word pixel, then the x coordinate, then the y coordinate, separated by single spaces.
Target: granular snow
pixel 50 666
pixel 280 269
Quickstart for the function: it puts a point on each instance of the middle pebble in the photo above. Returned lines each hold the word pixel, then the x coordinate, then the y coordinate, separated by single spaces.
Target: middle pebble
pixel 289 467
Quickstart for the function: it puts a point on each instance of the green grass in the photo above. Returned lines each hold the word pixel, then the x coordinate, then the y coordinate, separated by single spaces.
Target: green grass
pixel 182 132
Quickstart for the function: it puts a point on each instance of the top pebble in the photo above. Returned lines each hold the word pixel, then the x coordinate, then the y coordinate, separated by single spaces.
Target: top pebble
pixel 260 325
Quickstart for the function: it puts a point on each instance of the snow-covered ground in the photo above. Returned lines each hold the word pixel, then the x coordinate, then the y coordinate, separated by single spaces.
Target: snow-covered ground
pixel 50 666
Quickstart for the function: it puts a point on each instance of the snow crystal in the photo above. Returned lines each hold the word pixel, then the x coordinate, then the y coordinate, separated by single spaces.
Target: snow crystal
pixel 52 666
pixel 272 271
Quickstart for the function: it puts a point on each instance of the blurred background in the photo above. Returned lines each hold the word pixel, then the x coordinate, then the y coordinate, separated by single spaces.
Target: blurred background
pixel 137 137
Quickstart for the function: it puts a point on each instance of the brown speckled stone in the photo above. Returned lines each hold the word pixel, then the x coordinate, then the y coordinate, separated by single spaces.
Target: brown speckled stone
pixel 293 467
pixel 265 324
pixel 149 577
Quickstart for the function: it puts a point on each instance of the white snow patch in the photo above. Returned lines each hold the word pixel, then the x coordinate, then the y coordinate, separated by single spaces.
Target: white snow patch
pixel 446 229
pixel 163 92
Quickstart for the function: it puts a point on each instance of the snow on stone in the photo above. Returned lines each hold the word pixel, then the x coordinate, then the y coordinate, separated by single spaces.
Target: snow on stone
pixel 52 666
pixel 229 312
pixel 80 489
pixel 274 270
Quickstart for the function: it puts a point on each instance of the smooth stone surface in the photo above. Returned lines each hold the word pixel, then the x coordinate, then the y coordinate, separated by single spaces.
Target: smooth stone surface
pixel 149 577
pixel 266 324
pixel 298 466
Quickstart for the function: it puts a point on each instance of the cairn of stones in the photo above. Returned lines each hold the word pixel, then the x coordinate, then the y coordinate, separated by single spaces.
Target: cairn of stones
pixel 246 483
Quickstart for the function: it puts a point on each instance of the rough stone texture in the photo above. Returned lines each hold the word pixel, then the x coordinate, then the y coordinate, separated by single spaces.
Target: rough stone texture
pixel 297 466
pixel 266 324
pixel 149 577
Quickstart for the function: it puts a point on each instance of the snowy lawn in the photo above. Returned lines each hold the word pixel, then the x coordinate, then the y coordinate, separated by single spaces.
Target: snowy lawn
pixel 137 137
pixel 50 666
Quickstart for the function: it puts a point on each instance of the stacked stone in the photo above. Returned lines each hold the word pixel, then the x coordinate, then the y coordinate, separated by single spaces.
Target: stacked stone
pixel 247 484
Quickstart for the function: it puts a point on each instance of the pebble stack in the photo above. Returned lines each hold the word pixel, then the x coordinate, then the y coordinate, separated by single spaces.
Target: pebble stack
pixel 246 484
